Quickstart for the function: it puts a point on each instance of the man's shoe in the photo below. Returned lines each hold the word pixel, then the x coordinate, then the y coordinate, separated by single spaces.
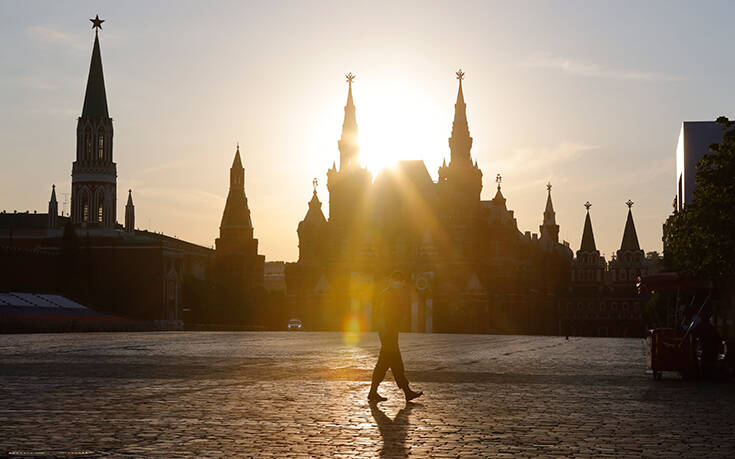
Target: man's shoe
pixel 410 395
pixel 376 397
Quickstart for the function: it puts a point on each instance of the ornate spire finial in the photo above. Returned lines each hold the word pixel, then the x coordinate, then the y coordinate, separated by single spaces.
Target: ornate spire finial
pixel 237 147
pixel 350 77
pixel 629 203
pixel 587 206
pixel 498 178
pixel 97 23
pixel 548 187
pixel 460 75
pixel 315 183
pixel 53 186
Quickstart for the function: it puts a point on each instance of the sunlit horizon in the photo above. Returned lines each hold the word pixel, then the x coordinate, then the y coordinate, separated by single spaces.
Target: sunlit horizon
pixel 186 83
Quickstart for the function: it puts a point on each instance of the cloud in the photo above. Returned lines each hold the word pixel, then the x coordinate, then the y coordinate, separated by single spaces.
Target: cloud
pixel 544 158
pixel 642 174
pixel 532 167
pixel 189 198
pixel 166 166
pixel 50 35
pixel 591 70
pixel 34 82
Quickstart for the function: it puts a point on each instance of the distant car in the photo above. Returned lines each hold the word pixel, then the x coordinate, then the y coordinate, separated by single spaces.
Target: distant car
pixel 295 324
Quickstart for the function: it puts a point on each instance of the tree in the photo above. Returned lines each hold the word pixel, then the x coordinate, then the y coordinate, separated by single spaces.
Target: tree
pixel 699 240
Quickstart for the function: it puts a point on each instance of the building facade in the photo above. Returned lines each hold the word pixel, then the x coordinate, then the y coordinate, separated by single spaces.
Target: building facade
pixel 470 268
pixel 87 254
pixel 695 138
pixel 603 298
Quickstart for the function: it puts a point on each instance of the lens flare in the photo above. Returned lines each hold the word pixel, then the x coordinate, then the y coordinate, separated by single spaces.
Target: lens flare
pixel 352 327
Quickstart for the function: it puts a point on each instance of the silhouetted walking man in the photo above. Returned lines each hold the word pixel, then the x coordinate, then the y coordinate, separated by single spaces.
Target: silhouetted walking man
pixel 388 317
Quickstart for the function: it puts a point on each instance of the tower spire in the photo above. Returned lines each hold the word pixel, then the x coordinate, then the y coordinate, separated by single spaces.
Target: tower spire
pixel 94 173
pixel 95 99
pixel 349 149
pixel 315 207
pixel 588 237
pixel 130 213
pixel 237 162
pixel 549 228
pixel 630 237
pixel 549 214
pixel 460 142
pixel 236 214
pixel 53 209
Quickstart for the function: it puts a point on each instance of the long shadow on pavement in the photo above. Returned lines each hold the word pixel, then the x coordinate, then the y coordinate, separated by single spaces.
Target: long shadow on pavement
pixel 393 431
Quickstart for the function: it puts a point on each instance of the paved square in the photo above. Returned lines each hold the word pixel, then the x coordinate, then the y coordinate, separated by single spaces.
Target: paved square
pixel 303 394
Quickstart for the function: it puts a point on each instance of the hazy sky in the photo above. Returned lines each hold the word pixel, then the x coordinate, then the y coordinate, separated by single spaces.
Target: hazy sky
pixel 589 95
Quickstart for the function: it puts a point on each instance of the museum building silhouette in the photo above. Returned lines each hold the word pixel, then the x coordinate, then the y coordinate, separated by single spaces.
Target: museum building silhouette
pixel 470 268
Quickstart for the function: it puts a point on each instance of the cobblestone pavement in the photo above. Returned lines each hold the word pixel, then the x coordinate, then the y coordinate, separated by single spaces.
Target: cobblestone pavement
pixel 303 394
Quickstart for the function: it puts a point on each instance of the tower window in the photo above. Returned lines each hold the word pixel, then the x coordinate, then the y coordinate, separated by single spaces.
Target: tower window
pixel 85 212
pixel 99 214
pixel 101 146
pixel 88 146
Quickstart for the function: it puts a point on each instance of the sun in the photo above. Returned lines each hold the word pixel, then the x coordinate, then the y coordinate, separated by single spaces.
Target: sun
pixel 397 122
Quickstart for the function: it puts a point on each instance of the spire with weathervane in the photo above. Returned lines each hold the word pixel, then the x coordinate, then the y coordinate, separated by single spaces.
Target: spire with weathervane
pixel 94 174
pixel 588 237
pixel 349 184
pixel 460 181
pixel 311 230
pixel 549 228
pixel 588 267
pixel 499 198
pixel 629 263
pixel 460 142
pixel 630 237
pixel 349 148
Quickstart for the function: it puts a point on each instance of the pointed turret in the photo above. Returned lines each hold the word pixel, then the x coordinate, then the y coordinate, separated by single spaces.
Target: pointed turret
pixel 53 209
pixel 588 237
pixel 237 264
pixel 499 199
pixel 310 231
pixel 314 216
pixel 237 171
pixel 95 99
pixel 237 213
pixel 460 142
pixel 588 267
pixel 549 228
pixel 130 213
pixel 630 237
pixel 349 149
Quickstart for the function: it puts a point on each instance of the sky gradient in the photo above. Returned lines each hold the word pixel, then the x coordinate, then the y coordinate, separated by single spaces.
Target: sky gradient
pixel 587 95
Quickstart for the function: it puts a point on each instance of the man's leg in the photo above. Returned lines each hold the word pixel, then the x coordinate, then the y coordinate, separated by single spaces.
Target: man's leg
pixel 380 369
pixel 398 370
pixel 379 373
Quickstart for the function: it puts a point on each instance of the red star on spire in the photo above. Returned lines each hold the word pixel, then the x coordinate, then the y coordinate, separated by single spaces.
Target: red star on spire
pixel 97 22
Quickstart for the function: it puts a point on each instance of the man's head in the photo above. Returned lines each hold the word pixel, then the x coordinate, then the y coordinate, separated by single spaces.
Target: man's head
pixel 397 279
